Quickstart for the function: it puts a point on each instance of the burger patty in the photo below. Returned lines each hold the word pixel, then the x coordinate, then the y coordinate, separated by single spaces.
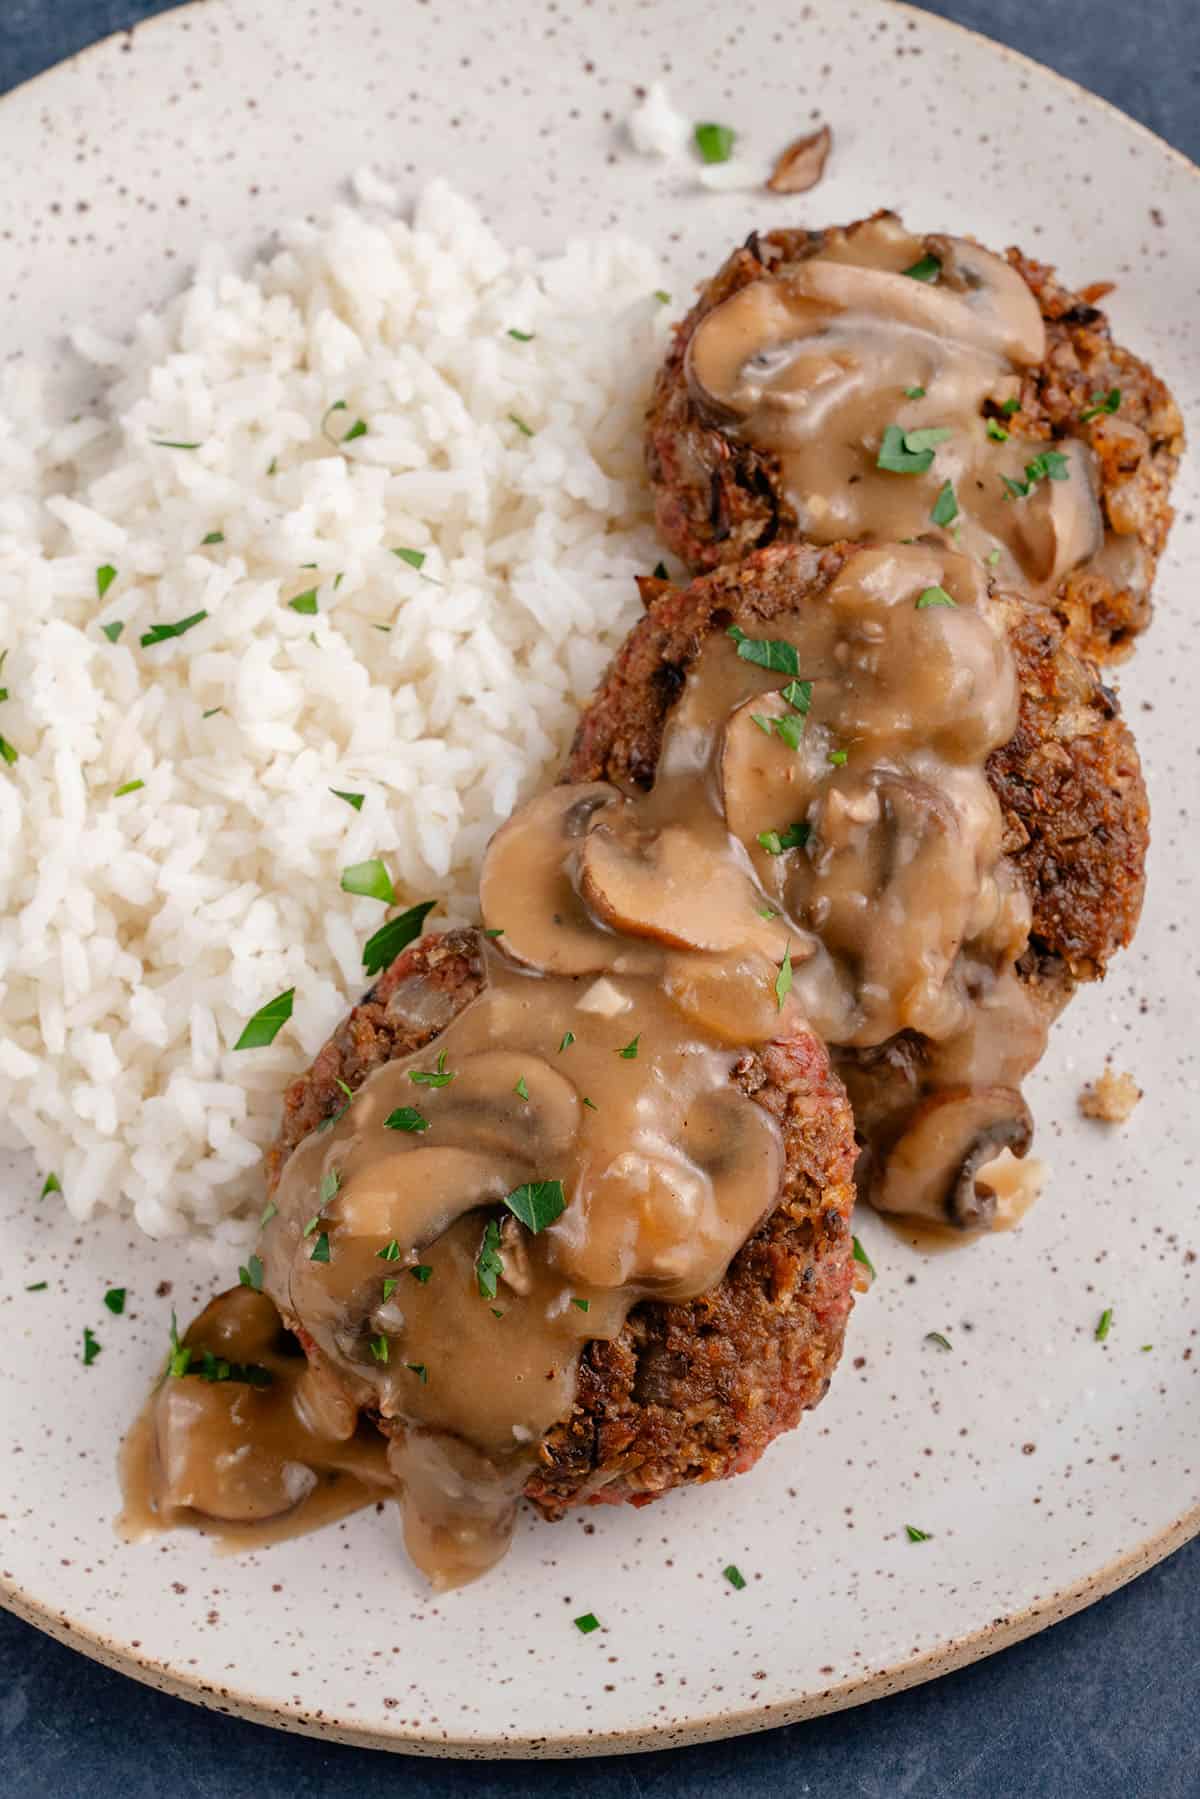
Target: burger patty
pixel 1069 781
pixel 690 1391
pixel 718 498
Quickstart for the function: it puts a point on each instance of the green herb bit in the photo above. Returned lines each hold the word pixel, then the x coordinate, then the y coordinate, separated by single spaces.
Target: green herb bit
pixel 790 729
pixel 590 1104
pixel 312 1224
pixel 379 1348
pixel 1102 403
pixel 860 1255
pixel 1105 1324
pixel 521 1090
pixel 252 1274
pixel 934 596
pixel 993 557
pixel 420 1272
pixel 630 1050
pixel 91 1348
pixel 839 758
pixel 767 912
pixel 106 574
pixel 160 633
pixel 385 945
pixel 173 443
pixel 900 455
pixel 914 1535
pixel 351 799
pixel 537 1203
pixel 914 393
pixel 389 1287
pixel 270 1210
pixel 734 1576
pixel 944 510
pixel 1051 465
pixel 783 980
pixel 330 1183
pixel 370 880
pixel 213 537
pixel 114 1299
pixel 997 432
pixel 357 429
pixel 714 142
pixel 51 1184
pixel 586 1624
pixel 8 751
pixel 420 1370
pixel 568 1038
pixel 794 837
pixel 765 724
pixel 660 572
pixel 40 1287
pixel 522 337
pixel 305 602
pixel 522 427
pixel 406 1118
pixel 765 652
pixel 494 931
pixel 320 1250
pixel 928 268
pixel 267 1022
pixel 414 558
pixel 212 711
pixel 799 695
pixel 179 1355
pixel 662 296
pixel 582 1305
pixel 937 1337
pixel 437 1077
pixel 1010 406
pixel 273 465
pixel 390 1252
pixel 127 787
pixel 489 1263
pixel 113 631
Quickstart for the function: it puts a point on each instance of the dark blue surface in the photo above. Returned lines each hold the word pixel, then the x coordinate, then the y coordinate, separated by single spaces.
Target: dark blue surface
pixel 1106 1704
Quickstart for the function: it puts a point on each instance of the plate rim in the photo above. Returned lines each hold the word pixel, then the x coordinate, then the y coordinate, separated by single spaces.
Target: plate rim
pixel 944 1658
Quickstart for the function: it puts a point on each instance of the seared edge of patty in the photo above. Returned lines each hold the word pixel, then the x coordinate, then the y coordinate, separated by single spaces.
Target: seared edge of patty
pixel 1069 782
pixel 688 1391
pixel 717 499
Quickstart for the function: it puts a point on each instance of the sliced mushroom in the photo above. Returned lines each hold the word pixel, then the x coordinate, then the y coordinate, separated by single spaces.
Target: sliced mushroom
pixel 932 1171
pixel 483 1107
pixel 525 888
pixel 664 884
pixel 802 164
pixel 1059 525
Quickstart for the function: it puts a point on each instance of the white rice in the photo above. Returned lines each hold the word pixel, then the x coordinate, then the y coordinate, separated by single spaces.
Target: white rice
pixel 138 934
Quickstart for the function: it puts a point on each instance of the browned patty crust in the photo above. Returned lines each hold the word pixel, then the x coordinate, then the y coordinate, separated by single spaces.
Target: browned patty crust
pixel 1069 782
pixel 717 498
pixel 691 1391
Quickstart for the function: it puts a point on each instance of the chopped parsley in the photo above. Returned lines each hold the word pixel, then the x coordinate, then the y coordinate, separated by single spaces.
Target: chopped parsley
pixel 662 296
pixel 522 337
pixel 489 1263
pixel 1102 403
pixel 179 1356
pixel 734 1576
pixel 660 572
pixel 909 452
pixel 937 1337
pixel 1105 1324
pixel 914 1535
pixel 213 537
pixel 406 1118
pixel 521 1090
pixel 312 1224
pixel 928 268
pixel 993 557
pixel 568 1038
pixel 379 1348
pixel 799 695
pixel 389 1287
pixel 327 1124
pixel 173 443
pixel 114 1299
pixel 420 1370
pixel 494 931
pixel 765 652
pixel 127 787
pixel 766 912
pixel 860 1255
pixel 51 1184
pixel 582 1305
pixel 390 1252
pixel 330 1183
pixel 267 1022
pixel 1010 406
pixel 270 1210
pixel 714 142
pixel 997 432
pixel 420 1272
pixel 320 1249
pixel 934 596
pixel 914 393
pixel 40 1287
pixel 794 837
pixel 160 633
pixel 586 1624
pixel 522 427
pixel 387 942
pixel 91 1349
pixel 351 799
pixel 1051 465
pixel 212 711
pixel 106 574
pixel 305 602
pixel 944 510
pixel 437 1077
pixel 357 429
pixel 252 1274
pixel 537 1203
pixel 371 880
pixel 414 558
pixel 766 725
pixel 838 758
pixel 783 980
pixel 630 1050
pixel 8 751
pixel 113 631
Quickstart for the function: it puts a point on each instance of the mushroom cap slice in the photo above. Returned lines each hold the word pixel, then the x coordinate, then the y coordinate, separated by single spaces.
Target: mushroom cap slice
pixel 525 887
pixel 930 1172
pixel 665 884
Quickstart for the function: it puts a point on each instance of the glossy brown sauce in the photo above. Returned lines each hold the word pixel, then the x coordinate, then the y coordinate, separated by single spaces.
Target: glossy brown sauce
pixel 820 850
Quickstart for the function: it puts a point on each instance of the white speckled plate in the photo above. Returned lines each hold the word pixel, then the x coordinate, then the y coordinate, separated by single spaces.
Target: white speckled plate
pixel 1047 1467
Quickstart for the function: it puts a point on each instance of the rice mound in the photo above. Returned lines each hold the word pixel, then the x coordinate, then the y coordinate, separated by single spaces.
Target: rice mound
pixel 139 932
